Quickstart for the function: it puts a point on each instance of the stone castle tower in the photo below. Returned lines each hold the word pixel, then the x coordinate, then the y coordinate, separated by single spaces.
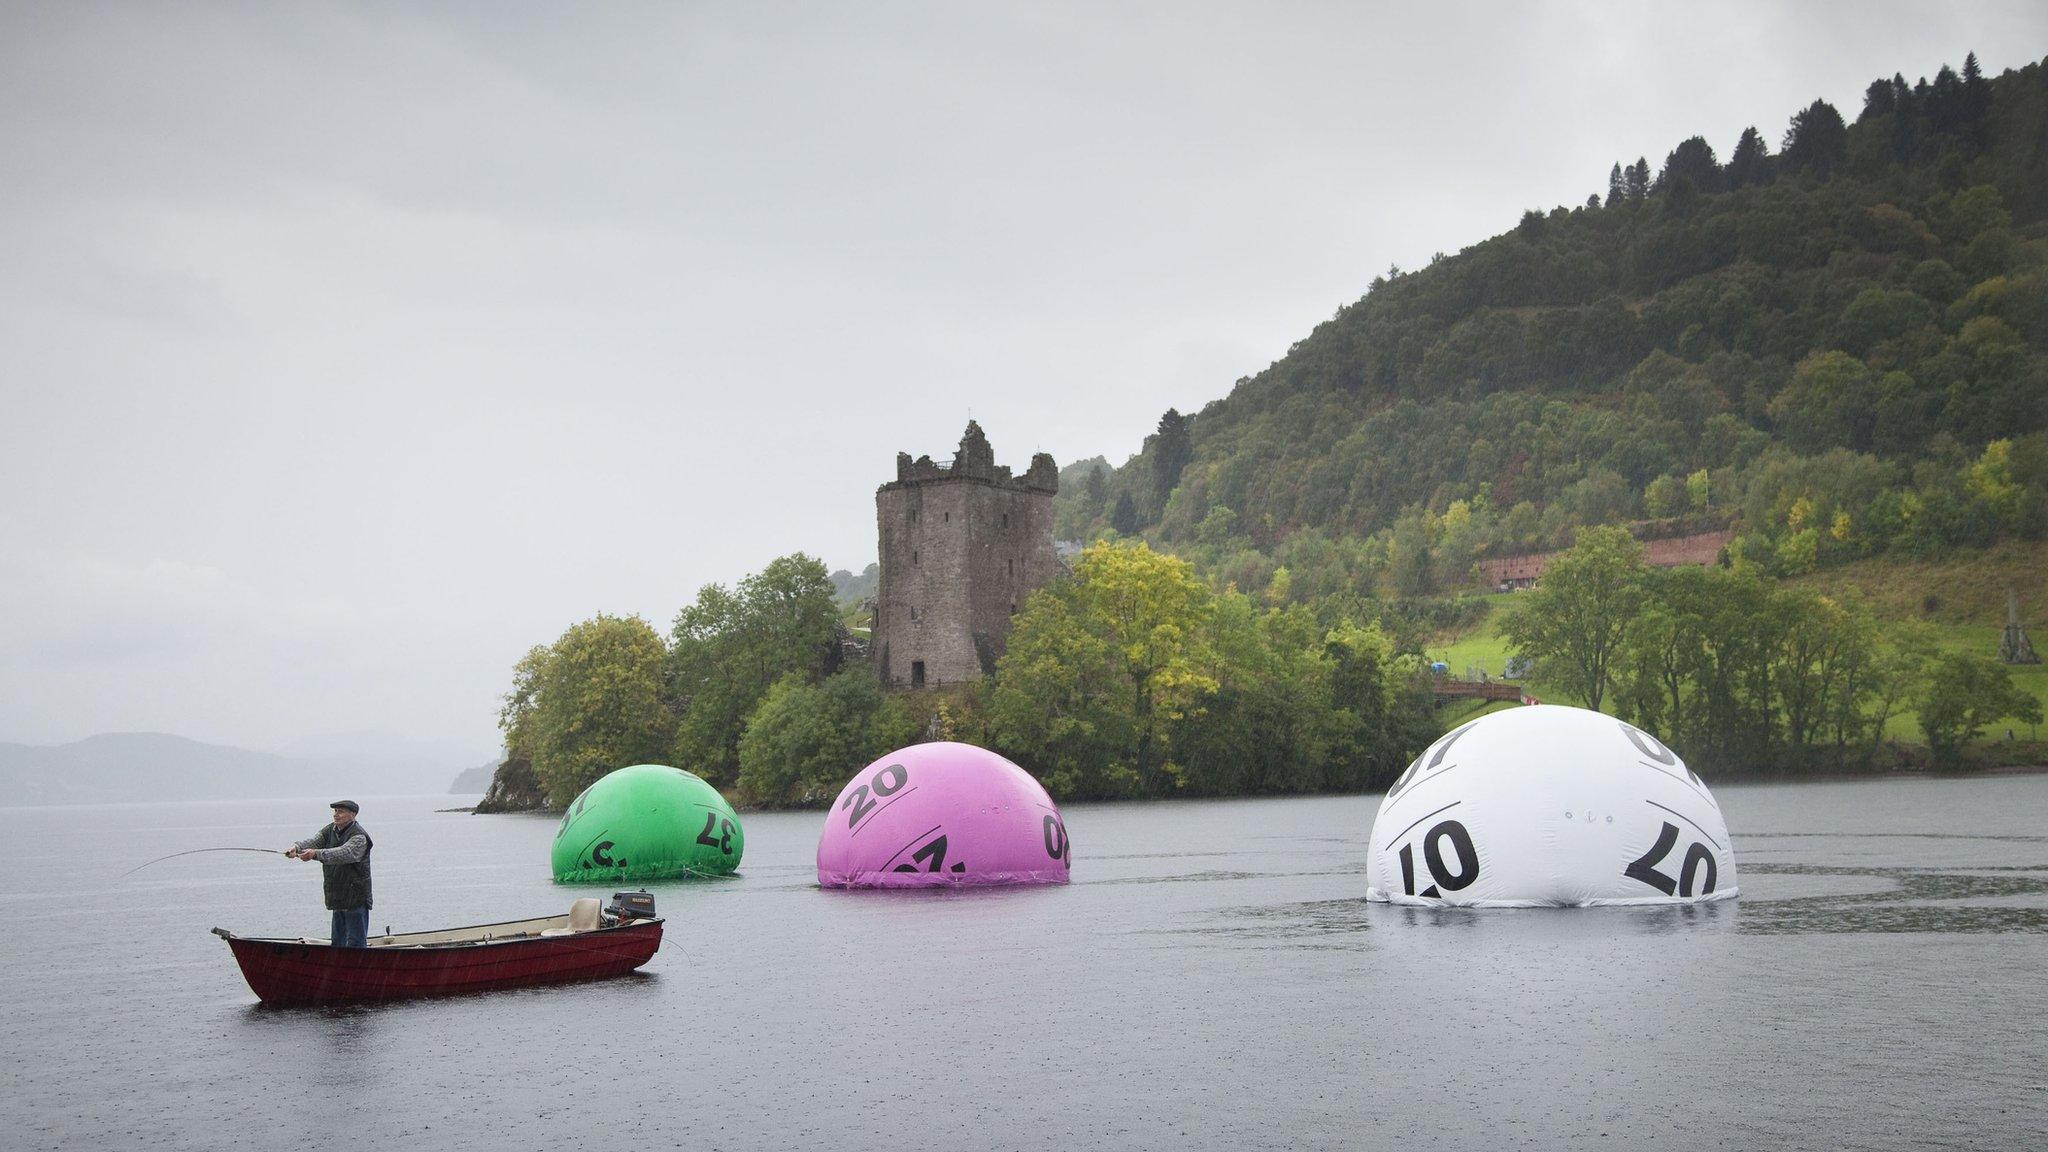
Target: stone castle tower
pixel 960 548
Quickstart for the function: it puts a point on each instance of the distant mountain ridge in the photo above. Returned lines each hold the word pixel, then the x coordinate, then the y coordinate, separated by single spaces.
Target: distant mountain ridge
pixel 474 780
pixel 119 767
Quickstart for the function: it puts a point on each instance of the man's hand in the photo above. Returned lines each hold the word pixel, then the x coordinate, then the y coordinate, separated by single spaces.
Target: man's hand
pixel 307 855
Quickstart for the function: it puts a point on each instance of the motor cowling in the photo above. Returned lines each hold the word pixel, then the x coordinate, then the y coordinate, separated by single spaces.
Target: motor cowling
pixel 631 906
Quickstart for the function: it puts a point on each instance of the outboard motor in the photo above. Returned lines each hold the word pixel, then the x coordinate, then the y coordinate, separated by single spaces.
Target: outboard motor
pixel 627 906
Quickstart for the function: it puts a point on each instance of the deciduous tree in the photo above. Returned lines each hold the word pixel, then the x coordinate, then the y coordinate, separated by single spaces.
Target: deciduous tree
pixel 1572 623
pixel 805 739
pixel 1964 694
pixel 591 704
pixel 1098 666
pixel 729 647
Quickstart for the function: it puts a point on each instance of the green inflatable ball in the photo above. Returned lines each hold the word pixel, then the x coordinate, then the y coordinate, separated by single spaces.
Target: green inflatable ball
pixel 647 822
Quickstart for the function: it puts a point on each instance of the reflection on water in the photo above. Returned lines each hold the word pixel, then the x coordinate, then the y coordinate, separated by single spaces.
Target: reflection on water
pixel 1317 922
pixel 1898 836
pixel 1909 904
pixel 1781 898
pixel 1321 922
pixel 1208 877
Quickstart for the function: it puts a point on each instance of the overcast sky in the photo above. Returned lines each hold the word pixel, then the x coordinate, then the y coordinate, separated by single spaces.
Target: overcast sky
pixel 351 351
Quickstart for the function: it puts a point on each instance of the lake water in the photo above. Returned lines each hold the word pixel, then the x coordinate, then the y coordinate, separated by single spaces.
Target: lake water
pixel 1213 978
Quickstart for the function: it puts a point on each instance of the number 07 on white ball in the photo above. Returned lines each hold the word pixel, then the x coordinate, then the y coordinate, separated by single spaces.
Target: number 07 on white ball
pixel 1549 806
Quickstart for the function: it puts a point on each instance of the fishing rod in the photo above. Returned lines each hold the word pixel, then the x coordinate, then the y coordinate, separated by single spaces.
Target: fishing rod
pixel 175 855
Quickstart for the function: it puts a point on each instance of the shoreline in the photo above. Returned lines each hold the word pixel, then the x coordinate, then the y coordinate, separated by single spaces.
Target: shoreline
pixel 1834 776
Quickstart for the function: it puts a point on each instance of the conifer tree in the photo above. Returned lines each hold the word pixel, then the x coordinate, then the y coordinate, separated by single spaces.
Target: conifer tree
pixel 1945 106
pixel 1693 159
pixel 1817 139
pixel 1125 518
pixel 1750 160
pixel 1976 91
pixel 1878 100
pixel 1617 188
pixel 1905 120
pixel 1096 490
pixel 1172 449
pixel 1681 199
pixel 1638 179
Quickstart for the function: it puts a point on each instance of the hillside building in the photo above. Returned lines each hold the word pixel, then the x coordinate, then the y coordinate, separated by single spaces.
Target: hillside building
pixel 1515 573
pixel 960 548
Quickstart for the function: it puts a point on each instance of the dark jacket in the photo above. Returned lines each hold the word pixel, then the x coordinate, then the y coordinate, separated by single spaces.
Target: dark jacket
pixel 346 881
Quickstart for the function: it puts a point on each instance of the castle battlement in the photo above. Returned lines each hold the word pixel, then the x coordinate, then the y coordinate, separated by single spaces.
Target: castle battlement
pixel 975 460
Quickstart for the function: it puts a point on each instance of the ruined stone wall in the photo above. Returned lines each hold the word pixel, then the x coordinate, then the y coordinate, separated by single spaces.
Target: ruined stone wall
pixel 1010 553
pixel 960 547
pixel 921 612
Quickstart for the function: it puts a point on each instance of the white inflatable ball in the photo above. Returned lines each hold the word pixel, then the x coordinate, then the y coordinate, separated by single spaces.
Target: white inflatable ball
pixel 1548 806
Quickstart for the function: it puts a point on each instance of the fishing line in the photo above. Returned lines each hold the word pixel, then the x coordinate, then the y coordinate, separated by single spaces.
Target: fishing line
pixel 175 855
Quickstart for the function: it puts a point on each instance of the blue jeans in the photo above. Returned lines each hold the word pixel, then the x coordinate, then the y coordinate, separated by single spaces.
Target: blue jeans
pixel 351 928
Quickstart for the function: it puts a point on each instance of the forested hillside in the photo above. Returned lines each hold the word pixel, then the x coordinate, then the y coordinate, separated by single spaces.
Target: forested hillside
pixel 1840 345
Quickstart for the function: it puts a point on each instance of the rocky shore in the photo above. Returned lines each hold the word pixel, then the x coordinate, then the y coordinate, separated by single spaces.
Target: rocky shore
pixel 514 788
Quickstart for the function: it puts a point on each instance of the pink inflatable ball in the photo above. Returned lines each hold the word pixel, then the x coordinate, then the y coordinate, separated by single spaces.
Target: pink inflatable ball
pixel 942 815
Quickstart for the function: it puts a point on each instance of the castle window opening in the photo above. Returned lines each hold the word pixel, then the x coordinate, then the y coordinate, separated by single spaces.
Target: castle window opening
pixel 917 673
pixel 1006 519
pixel 1010 567
pixel 913 557
pixel 949 517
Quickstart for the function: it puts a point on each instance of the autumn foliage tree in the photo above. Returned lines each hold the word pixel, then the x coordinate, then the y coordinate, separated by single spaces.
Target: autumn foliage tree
pixel 1133 678
pixel 1098 667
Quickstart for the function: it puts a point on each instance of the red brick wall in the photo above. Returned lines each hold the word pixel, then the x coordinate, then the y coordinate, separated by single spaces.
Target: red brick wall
pixel 1699 548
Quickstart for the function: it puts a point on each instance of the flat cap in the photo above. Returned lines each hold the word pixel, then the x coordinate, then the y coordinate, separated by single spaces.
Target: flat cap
pixel 348 804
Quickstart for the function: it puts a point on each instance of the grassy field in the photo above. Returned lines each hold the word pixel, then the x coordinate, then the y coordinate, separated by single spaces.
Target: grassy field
pixel 1960 602
pixel 1482 648
pixel 1966 590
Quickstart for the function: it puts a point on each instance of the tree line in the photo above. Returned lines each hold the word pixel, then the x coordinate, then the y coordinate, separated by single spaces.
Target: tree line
pixel 1131 678
pixel 1741 672
pixel 612 691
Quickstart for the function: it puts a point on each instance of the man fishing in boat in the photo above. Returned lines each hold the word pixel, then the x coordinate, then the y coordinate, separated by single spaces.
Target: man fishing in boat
pixel 343 850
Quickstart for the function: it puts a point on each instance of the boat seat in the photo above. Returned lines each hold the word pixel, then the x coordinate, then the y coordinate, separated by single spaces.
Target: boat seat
pixel 583 917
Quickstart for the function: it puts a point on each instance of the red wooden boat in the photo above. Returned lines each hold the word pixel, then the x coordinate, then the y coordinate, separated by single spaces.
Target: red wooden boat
pixel 582 944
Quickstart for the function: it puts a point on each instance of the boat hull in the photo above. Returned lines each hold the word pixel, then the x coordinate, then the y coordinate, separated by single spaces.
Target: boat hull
pixel 301 972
